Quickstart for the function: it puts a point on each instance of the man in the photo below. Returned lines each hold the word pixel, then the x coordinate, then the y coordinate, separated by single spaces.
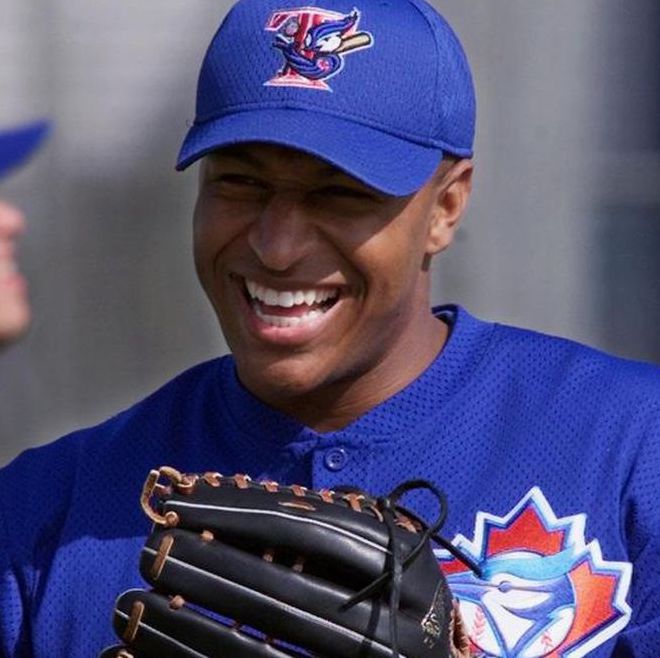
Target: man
pixel 335 147
pixel 15 147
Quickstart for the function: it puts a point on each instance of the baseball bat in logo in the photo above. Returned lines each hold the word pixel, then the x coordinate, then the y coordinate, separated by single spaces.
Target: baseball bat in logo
pixel 313 43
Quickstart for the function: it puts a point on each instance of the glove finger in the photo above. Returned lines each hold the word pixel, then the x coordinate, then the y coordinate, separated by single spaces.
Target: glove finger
pixel 286 604
pixel 304 524
pixel 153 629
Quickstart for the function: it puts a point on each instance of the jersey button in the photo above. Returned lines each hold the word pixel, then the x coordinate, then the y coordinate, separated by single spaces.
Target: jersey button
pixel 335 459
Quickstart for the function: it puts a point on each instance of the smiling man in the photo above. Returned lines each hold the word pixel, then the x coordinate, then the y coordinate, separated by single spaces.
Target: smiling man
pixel 334 145
pixel 321 282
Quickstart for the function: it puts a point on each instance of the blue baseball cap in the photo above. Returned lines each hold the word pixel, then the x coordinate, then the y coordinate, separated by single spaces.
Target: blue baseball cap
pixel 18 144
pixel 379 88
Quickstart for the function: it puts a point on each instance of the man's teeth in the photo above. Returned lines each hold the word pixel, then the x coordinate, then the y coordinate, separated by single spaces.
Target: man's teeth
pixel 287 321
pixel 289 298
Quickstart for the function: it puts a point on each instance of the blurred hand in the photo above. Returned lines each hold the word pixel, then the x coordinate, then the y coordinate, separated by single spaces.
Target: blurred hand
pixel 14 304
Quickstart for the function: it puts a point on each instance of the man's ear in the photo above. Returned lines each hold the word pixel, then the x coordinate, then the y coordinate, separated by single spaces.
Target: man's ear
pixel 451 191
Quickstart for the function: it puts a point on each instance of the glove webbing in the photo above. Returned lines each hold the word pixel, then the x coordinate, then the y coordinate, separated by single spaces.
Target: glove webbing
pixel 393 573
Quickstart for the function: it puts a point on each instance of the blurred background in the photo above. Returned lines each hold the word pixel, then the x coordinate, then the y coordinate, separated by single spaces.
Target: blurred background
pixel 563 233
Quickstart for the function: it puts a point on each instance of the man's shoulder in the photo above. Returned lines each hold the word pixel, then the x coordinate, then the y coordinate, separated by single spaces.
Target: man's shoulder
pixel 517 349
pixel 56 485
pixel 530 342
pixel 173 402
pixel 533 354
pixel 181 395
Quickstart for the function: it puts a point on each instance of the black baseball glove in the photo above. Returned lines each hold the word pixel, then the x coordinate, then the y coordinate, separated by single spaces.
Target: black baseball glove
pixel 246 569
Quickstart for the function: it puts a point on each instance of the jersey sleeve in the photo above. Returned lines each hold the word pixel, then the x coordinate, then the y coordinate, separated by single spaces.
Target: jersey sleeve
pixel 32 488
pixel 13 620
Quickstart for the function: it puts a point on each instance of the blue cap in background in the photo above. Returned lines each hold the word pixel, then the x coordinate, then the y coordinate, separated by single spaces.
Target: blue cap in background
pixel 380 88
pixel 17 144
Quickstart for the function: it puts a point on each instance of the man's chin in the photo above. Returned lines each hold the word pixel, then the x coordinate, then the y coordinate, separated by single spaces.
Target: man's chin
pixel 279 381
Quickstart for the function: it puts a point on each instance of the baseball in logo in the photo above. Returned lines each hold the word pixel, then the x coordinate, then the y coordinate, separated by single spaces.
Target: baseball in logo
pixel 544 592
pixel 313 43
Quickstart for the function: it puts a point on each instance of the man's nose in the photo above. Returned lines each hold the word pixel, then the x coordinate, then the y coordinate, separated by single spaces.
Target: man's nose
pixel 12 222
pixel 283 233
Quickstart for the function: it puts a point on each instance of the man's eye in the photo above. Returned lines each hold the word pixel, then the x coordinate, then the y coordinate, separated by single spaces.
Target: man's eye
pixel 237 186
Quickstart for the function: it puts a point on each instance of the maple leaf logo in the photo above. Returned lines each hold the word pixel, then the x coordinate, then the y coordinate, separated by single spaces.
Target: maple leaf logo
pixel 544 592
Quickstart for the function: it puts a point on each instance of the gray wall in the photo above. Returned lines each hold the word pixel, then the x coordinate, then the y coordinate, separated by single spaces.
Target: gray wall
pixel 562 234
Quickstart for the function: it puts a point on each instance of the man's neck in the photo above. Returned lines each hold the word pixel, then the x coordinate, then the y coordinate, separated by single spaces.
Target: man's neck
pixel 339 404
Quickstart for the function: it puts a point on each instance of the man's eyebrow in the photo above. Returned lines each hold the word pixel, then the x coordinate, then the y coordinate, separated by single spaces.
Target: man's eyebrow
pixel 245 156
pixel 340 177
pixel 331 171
pixel 326 169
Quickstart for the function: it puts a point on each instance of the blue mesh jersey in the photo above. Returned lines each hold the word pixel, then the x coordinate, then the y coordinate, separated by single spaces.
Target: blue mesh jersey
pixel 549 453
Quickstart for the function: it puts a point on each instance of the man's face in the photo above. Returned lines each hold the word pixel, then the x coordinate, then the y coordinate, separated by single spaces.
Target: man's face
pixel 14 306
pixel 320 283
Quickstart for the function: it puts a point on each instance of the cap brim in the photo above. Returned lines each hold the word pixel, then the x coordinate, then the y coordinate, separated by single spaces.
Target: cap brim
pixel 18 144
pixel 392 165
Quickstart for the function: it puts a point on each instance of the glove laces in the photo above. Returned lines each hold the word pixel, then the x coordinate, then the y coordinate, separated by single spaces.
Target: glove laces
pixel 396 563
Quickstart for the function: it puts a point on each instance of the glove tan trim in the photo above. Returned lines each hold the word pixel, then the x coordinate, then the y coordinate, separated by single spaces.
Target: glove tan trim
pixel 177 602
pixel 242 481
pixel 150 629
pixel 213 479
pixel 153 488
pixel 137 610
pixel 326 495
pixel 164 549
pixel 354 500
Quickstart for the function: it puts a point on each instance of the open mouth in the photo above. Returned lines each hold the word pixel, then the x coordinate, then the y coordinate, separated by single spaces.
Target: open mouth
pixel 289 308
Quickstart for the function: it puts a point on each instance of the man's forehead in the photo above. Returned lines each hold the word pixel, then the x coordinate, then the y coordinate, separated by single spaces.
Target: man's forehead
pixel 265 157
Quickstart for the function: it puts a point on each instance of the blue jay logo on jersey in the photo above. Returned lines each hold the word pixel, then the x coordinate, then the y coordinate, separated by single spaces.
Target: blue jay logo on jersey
pixel 544 592
pixel 313 43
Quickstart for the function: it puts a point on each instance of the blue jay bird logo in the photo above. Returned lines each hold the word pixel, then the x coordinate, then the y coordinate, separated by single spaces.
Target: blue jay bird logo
pixel 543 591
pixel 313 43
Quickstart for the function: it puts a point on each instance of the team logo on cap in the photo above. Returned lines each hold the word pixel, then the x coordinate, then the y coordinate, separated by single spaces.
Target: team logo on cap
pixel 313 43
pixel 544 592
